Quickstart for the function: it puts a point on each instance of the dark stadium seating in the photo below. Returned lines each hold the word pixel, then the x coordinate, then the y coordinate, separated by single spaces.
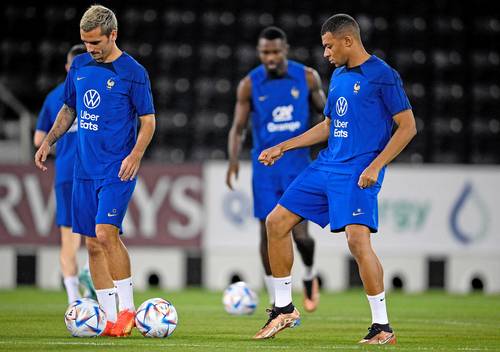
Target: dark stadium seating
pixel 447 52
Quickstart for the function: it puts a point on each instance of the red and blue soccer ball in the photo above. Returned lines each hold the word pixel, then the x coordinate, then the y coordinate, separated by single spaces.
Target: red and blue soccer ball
pixel 85 318
pixel 156 317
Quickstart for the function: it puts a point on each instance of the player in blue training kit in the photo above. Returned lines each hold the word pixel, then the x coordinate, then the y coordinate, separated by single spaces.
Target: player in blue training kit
pixel 276 96
pixel 109 93
pixel 63 185
pixel 340 187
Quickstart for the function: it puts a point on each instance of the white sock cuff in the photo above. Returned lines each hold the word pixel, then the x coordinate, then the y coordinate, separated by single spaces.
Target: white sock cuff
pixel 126 281
pixel 106 290
pixel 378 296
pixel 71 279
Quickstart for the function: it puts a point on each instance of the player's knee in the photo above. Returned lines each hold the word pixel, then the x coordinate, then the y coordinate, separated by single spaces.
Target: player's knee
pixel 273 224
pixel 357 245
pixel 94 247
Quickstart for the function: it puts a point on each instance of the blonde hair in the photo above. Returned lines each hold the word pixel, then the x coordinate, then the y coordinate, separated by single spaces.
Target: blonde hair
pixel 99 16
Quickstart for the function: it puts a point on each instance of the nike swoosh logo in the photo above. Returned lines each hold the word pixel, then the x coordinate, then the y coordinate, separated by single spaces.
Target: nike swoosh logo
pixel 262 98
pixel 110 214
pixel 384 341
pixel 80 78
pixel 356 214
pixel 287 283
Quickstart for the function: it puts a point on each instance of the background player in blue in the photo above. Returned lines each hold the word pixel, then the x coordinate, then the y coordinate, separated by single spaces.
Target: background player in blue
pixel 276 95
pixel 109 92
pixel 340 187
pixel 63 184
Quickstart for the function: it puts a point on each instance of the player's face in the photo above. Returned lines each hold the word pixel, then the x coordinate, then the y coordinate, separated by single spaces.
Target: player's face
pixel 98 44
pixel 335 49
pixel 272 54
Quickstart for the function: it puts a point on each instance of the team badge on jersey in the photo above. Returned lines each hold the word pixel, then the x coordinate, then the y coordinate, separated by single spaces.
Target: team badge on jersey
pixel 295 93
pixel 356 87
pixel 110 83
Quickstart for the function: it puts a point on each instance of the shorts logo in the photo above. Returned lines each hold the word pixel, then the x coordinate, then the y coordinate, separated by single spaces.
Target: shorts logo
pixel 91 99
pixel 341 106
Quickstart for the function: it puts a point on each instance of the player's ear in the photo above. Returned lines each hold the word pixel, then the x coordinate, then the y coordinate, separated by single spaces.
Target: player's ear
pixel 113 35
pixel 348 41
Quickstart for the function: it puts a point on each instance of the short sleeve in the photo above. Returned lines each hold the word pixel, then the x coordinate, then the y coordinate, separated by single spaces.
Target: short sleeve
pixel 43 122
pixel 393 94
pixel 327 111
pixel 141 95
pixel 69 94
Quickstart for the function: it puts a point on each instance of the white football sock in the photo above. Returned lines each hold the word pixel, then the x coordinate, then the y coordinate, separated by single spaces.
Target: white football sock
pixel 379 310
pixel 125 291
pixel 268 280
pixel 107 299
pixel 282 291
pixel 71 285
pixel 308 273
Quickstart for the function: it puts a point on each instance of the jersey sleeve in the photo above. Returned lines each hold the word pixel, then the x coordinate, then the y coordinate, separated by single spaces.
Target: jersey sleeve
pixel 141 95
pixel 69 93
pixel 393 94
pixel 43 122
pixel 327 111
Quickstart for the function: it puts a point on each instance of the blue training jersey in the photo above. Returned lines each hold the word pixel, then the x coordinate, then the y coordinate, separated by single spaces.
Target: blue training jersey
pixel 66 145
pixel 361 103
pixel 280 110
pixel 107 98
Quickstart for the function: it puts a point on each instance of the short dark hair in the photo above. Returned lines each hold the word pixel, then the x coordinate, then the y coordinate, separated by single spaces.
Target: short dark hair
pixel 340 23
pixel 77 50
pixel 272 33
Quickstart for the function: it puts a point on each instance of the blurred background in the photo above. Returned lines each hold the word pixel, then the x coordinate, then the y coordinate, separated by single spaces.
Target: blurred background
pixel 439 202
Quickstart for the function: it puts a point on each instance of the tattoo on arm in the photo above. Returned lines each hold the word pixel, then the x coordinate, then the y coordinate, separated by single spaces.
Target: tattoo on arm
pixel 64 120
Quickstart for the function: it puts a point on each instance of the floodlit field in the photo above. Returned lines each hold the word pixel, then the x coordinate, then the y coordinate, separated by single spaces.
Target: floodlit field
pixel 32 320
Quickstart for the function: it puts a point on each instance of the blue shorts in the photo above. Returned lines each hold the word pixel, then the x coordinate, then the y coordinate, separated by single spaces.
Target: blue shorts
pixel 326 197
pixel 269 183
pixel 99 202
pixel 63 203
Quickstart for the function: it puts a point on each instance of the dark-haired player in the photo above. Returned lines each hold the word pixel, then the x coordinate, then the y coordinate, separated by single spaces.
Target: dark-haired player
pixel 277 96
pixel 365 99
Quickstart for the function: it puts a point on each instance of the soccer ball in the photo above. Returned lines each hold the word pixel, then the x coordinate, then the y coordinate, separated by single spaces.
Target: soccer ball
pixel 239 299
pixel 85 318
pixel 156 317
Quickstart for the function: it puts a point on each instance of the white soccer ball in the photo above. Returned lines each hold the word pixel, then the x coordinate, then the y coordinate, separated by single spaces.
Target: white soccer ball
pixel 85 318
pixel 239 299
pixel 156 317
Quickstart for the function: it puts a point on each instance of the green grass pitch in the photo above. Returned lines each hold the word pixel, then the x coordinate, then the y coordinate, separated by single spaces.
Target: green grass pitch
pixel 32 320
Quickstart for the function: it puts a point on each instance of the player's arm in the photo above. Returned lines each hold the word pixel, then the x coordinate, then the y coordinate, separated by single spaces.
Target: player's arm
pixel 130 165
pixel 314 135
pixel 64 120
pixel 404 133
pixel 238 129
pixel 38 138
pixel 316 95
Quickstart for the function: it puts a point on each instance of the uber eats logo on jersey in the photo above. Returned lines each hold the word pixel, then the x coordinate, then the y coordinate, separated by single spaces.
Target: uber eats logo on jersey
pixel 282 120
pixel 91 100
pixel 340 126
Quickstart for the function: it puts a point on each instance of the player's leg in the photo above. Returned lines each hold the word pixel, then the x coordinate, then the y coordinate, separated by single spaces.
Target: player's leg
pixel 266 194
pixel 69 267
pixel 372 276
pixel 69 241
pixel 304 199
pixel 356 211
pixel 279 224
pixel 305 245
pixel 264 256
pixel 84 209
pixel 113 201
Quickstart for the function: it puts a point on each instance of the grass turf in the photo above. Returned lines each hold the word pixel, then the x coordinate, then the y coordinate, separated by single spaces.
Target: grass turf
pixel 32 320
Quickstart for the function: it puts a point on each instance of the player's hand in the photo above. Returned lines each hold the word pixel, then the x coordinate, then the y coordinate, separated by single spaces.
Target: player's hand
pixel 270 155
pixel 41 156
pixel 233 169
pixel 368 177
pixel 130 167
